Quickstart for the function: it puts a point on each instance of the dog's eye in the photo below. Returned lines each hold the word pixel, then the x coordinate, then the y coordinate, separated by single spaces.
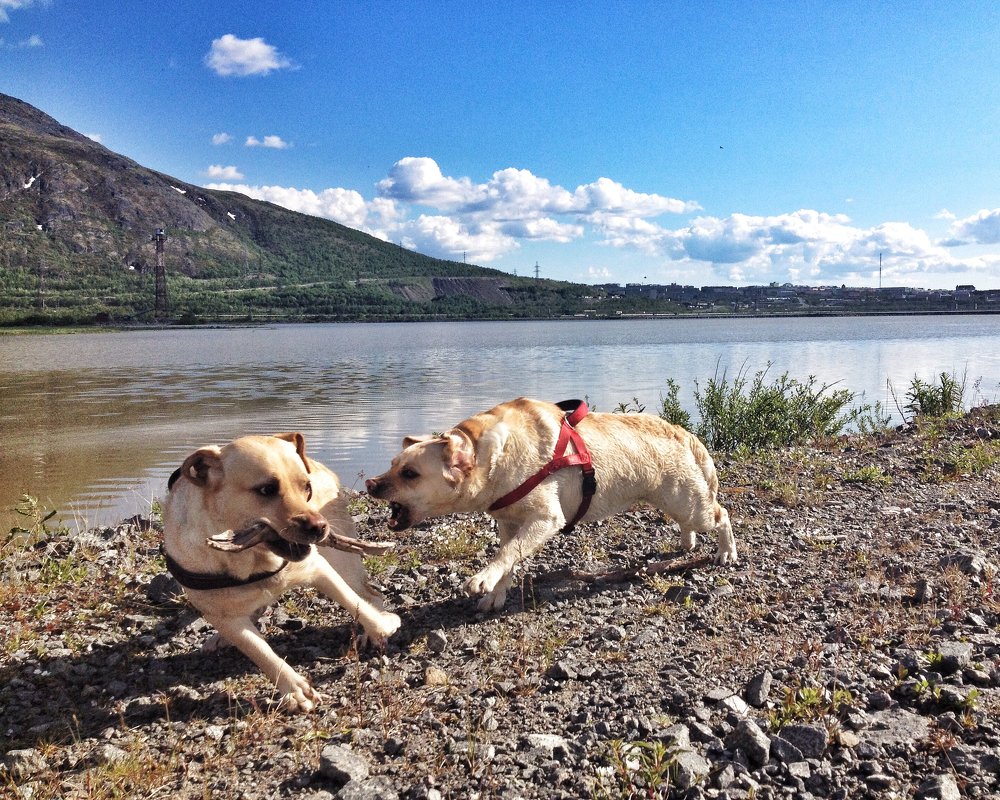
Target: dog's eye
pixel 309 491
pixel 269 489
pixel 409 474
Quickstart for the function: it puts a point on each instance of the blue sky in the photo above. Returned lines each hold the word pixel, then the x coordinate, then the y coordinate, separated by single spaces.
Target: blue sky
pixel 697 142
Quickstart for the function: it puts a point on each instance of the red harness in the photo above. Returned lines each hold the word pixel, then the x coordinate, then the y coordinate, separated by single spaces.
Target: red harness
pixel 575 411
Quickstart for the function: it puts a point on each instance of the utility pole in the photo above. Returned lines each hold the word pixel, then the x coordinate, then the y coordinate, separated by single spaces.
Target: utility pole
pixel 161 308
pixel 536 270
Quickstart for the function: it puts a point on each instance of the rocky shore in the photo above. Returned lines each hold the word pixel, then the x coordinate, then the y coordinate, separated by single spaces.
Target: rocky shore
pixel 852 653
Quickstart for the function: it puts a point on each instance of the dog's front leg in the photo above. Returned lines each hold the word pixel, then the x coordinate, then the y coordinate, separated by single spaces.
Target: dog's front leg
pixel 516 544
pixel 378 625
pixel 296 692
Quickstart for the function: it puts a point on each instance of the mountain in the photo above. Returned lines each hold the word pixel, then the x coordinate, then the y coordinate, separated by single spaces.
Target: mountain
pixel 76 228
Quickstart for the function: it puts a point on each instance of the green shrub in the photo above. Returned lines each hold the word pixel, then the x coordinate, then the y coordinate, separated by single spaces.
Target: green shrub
pixel 929 399
pixel 743 414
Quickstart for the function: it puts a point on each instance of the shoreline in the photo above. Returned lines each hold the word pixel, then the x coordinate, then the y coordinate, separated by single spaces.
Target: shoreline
pixel 22 330
pixel 851 653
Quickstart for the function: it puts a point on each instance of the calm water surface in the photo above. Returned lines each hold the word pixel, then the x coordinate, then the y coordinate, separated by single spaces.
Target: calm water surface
pixel 93 424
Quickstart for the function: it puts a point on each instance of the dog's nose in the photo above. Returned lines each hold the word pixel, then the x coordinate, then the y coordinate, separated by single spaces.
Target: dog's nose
pixel 313 526
pixel 373 486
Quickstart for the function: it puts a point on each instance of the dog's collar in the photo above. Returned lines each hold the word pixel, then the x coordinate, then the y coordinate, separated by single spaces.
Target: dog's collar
pixel 206 581
pixel 575 411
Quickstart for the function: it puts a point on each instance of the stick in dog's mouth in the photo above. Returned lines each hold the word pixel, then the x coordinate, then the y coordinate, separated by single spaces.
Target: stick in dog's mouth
pixel 262 532
pixel 258 532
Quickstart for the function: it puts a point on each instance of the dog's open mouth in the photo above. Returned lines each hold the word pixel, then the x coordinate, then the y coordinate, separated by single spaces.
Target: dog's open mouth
pixel 399 517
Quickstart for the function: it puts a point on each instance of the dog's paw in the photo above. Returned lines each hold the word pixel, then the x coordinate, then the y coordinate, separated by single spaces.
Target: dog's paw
pixel 493 601
pixel 689 541
pixel 297 694
pixel 379 632
pixel 482 582
pixel 726 556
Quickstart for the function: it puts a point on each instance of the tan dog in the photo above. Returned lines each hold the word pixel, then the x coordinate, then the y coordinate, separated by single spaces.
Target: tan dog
pixel 240 526
pixel 636 458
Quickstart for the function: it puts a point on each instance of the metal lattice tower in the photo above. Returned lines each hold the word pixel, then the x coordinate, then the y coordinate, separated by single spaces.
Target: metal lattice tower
pixel 161 307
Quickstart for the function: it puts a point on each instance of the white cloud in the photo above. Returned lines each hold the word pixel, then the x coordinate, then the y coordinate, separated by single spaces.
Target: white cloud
pixel 94 137
pixel 345 206
pixel 221 138
pixel 804 245
pixel 222 173
pixel 982 227
pixel 274 142
pixel 231 56
pixel 6 6
pixel 419 206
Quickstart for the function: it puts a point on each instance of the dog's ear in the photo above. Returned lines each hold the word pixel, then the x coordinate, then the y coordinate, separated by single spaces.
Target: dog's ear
pixel 300 445
pixel 411 440
pixel 491 445
pixel 459 455
pixel 198 466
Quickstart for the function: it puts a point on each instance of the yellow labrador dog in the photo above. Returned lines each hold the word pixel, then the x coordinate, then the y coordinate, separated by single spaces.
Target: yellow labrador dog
pixel 241 524
pixel 522 462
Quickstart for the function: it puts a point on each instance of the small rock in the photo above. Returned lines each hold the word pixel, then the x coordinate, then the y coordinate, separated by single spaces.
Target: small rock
pixel 435 676
pixel 24 764
pixel 691 769
pixel 342 765
pixel 953 656
pixel 749 738
pixel 437 641
pixel 758 689
pixel 784 751
pixel 799 769
pixel 968 563
pixel 551 744
pixel 163 589
pixel 940 787
pixel 377 788
pixel 562 670
pixel 811 740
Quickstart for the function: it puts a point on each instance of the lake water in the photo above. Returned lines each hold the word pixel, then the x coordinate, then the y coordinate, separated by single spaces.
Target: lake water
pixel 93 424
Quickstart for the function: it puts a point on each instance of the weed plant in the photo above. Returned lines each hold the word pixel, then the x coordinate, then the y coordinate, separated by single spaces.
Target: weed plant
pixel 743 414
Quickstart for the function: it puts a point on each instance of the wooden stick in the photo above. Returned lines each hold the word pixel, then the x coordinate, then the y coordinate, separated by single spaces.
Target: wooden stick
pixel 623 575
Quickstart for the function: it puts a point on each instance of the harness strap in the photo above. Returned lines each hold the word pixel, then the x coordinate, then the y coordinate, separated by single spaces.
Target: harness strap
pixel 206 581
pixel 575 411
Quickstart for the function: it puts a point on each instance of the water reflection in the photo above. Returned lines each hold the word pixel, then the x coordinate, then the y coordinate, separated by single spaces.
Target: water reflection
pixel 94 424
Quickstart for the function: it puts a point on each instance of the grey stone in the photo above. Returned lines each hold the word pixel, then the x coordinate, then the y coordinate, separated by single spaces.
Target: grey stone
pixel 342 765
pixel 811 740
pixel 23 764
pixel 894 726
pixel 939 787
pixel 758 689
pixel 377 788
pixel 552 745
pixel 784 751
pixel 691 768
pixel 749 738
pixel 954 656
pixel 437 641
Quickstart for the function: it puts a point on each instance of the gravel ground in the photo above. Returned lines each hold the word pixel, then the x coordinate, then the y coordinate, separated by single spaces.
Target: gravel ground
pixel 853 653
